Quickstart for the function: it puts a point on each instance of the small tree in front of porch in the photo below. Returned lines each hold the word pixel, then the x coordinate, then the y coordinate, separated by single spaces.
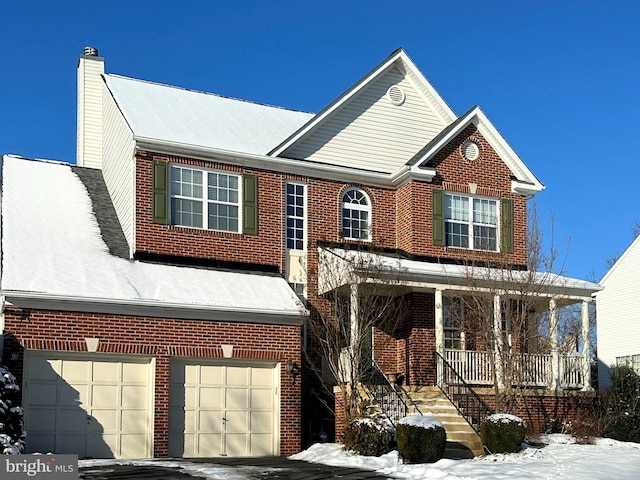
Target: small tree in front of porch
pixel 358 293
pixel 502 307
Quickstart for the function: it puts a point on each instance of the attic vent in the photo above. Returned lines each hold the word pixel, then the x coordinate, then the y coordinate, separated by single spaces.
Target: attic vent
pixel 91 51
pixel 396 95
pixel 470 151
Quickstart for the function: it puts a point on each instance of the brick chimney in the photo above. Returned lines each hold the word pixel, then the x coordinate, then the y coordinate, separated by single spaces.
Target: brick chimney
pixel 89 126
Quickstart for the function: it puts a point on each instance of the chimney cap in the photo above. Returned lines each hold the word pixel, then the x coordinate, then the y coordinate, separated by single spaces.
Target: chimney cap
pixel 90 51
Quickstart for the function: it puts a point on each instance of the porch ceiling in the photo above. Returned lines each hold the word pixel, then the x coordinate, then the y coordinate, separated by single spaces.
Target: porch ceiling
pixel 338 267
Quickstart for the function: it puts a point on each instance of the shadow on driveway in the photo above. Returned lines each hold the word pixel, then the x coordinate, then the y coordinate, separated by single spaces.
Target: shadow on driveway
pixel 263 468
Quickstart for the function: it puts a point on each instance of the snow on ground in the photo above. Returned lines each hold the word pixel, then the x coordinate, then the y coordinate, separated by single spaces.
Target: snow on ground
pixel 560 459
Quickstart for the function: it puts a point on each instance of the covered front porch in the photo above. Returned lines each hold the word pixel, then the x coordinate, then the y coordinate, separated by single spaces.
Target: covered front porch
pixel 504 357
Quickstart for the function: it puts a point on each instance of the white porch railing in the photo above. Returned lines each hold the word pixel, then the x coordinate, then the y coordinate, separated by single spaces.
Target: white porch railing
pixel 529 369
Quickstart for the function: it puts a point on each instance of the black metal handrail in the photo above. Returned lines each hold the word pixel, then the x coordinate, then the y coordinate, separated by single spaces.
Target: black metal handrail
pixel 384 393
pixel 463 397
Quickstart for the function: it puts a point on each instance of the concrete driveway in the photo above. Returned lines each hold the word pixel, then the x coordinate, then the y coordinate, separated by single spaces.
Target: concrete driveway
pixel 263 468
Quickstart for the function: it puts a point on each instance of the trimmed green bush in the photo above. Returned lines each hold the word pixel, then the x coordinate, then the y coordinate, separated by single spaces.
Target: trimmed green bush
pixel 625 428
pixel 369 436
pixel 421 439
pixel 503 433
pixel 12 435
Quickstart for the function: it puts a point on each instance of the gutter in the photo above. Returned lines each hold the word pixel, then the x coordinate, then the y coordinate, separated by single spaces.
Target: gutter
pixel 286 165
pixel 150 308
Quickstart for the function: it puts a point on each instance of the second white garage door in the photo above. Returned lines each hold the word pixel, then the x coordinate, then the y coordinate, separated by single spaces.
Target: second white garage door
pixel 223 410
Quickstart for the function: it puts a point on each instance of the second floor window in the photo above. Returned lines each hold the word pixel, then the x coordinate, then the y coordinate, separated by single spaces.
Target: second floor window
pixel 205 199
pixel 356 215
pixel 296 196
pixel 471 222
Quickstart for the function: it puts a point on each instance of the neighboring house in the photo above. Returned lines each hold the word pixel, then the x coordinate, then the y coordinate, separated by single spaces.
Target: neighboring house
pixel 148 292
pixel 618 314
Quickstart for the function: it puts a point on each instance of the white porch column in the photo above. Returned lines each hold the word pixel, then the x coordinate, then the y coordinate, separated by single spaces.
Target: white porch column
pixel 553 333
pixel 439 326
pixel 354 314
pixel 586 348
pixel 499 342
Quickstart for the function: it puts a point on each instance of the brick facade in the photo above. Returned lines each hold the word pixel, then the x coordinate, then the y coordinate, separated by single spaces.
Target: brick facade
pixel 163 339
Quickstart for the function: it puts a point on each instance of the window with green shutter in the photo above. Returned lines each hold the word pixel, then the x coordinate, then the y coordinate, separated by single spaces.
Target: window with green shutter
pixel 506 227
pixel 250 204
pixel 160 193
pixel 438 217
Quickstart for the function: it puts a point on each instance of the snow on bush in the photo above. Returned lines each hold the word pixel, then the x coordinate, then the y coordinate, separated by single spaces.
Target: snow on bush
pixel 12 435
pixel 421 439
pixel 503 433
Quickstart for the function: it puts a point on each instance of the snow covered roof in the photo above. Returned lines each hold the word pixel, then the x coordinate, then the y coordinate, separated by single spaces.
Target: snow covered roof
pixel 429 275
pixel 53 253
pixel 171 114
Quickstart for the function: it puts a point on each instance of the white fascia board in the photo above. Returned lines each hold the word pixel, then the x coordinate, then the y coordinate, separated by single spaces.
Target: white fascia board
pixel 151 308
pixel 407 64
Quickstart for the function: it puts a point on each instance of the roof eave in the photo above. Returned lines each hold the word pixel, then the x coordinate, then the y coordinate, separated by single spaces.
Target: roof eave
pixel 152 308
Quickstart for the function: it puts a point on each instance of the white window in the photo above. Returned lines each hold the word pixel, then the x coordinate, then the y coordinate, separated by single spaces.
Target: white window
pixel 296 207
pixel 453 315
pixel 205 199
pixel 632 361
pixel 471 222
pixel 356 215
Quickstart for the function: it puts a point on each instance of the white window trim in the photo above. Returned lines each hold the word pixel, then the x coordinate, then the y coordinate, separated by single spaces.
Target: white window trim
pixel 204 199
pixel 470 223
pixel 355 206
pixel 304 218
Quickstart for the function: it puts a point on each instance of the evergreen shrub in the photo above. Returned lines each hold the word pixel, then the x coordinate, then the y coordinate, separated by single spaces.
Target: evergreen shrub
pixel 369 436
pixel 421 439
pixel 503 433
pixel 12 435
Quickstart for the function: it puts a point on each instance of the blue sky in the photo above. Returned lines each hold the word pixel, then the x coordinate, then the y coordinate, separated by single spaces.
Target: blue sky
pixel 559 79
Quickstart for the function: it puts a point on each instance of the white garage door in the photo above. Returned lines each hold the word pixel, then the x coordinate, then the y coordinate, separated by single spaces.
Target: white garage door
pixel 90 405
pixel 223 410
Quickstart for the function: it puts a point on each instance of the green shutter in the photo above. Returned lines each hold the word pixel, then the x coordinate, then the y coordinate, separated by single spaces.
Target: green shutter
pixel 438 217
pixel 506 225
pixel 250 204
pixel 161 192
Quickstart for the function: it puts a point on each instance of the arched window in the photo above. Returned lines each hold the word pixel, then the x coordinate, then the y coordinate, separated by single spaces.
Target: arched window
pixel 356 215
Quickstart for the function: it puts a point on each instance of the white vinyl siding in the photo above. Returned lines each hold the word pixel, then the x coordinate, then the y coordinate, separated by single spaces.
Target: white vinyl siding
pixel 618 312
pixel 370 132
pixel 89 136
pixel 118 166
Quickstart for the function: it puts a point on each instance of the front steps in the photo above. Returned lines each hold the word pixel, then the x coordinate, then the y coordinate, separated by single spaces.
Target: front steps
pixel 462 439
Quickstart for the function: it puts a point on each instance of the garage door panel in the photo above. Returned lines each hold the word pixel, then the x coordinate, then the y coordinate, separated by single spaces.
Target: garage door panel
pixel 106 419
pixel 73 396
pixel 43 394
pixel 104 395
pixel 260 444
pixel 211 397
pixel 238 376
pixel 237 398
pixel 261 422
pixel 106 372
pixel 135 445
pixel 134 396
pixel 133 421
pixel 92 408
pixel 222 410
pixel 210 421
pixel 41 419
pixel 134 373
pixel 262 377
pixel 211 375
pixel 76 371
pixel 42 442
pixel 261 398
pixel 43 369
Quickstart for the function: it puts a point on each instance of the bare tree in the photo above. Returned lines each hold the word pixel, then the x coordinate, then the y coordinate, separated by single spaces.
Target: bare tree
pixel 358 293
pixel 499 308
